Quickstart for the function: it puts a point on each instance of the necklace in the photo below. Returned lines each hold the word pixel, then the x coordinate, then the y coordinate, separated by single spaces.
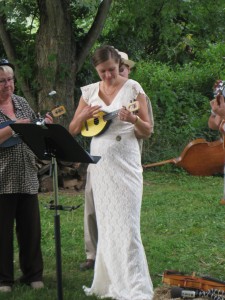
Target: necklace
pixel 109 93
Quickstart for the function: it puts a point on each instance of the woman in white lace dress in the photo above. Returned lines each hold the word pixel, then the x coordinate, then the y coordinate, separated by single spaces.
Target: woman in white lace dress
pixel 121 269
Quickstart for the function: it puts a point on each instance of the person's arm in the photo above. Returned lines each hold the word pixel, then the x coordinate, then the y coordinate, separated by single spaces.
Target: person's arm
pixel 214 121
pixel 142 125
pixel 7 132
pixel 82 113
pixel 217 113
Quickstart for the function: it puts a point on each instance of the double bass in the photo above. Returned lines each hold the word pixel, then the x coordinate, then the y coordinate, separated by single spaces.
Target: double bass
pixel 199 158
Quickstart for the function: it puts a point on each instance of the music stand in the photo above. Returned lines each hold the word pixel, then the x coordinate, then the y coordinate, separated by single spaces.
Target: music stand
pixel 52 142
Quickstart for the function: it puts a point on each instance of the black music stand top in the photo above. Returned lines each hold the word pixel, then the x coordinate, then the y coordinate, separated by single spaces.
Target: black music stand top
pixel 52 140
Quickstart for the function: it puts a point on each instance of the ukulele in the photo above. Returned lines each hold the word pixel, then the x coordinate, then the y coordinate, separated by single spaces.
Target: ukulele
pixel 99 123
pixel 15 139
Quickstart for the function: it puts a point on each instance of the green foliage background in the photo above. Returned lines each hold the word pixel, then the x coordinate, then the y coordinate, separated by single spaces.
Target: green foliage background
pixel 178 47
pixel 180 97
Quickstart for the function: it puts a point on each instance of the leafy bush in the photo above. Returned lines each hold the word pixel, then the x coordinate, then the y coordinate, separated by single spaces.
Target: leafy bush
pixel 180 99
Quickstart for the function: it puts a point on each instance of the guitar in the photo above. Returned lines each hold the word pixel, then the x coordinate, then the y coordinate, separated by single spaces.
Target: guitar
pixel 98 124
pixel 15 139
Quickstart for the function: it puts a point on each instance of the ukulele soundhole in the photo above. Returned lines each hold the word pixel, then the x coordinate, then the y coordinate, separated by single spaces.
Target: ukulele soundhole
pixel 96 121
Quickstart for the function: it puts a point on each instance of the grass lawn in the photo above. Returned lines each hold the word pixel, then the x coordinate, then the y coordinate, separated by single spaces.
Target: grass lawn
pixel 182 224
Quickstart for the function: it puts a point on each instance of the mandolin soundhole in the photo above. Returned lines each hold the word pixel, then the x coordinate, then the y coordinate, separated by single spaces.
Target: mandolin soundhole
pixel 96 121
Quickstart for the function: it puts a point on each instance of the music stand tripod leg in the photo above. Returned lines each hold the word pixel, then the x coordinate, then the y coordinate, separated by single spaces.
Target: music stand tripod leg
pixel 57 231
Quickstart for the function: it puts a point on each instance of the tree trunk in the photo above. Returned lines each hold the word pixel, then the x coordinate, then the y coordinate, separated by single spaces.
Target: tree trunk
pixel 56 57
pixel 11 56
pixel 58 60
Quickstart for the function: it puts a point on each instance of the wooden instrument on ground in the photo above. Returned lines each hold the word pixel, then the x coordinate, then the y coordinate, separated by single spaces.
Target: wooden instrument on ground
pixel 199 158
pixel 98 124
pixel 14 140
pixel 205 283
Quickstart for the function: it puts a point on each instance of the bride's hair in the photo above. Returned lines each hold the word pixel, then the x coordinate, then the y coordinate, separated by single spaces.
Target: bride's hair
pixel 105 53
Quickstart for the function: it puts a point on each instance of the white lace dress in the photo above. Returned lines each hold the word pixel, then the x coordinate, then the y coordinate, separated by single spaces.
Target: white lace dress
pixel 121 270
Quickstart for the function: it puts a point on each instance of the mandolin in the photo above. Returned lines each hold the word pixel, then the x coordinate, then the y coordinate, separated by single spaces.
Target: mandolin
pixel 15 139
pixel 99 123
pixel 58 111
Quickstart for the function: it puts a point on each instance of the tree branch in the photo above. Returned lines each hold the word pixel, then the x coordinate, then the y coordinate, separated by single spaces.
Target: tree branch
pixel 94 32
pixel 9 50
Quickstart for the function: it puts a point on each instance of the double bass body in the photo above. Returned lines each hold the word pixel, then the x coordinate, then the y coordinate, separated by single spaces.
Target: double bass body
pixel 199 158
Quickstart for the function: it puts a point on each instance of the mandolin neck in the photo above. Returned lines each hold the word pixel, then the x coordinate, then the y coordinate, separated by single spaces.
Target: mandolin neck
pixel 111 115
pixel 132 107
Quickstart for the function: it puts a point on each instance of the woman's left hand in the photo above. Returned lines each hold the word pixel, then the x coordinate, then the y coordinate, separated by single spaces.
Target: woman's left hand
pixel 48 119
pixel 126 116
